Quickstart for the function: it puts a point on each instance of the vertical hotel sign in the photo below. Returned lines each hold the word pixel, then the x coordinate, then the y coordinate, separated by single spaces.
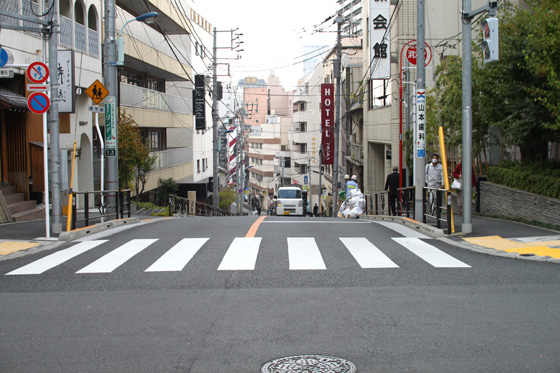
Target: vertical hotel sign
pixel 380 39
pixel 327 123
pixel 199 103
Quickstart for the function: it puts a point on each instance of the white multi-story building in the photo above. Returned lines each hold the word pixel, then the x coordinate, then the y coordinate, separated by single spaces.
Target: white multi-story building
pixel 21 132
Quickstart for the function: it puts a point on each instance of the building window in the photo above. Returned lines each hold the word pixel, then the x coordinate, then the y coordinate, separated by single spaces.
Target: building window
pixel 198 165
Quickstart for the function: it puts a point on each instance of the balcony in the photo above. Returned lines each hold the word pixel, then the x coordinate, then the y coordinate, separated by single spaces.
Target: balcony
pixel 355 154
pixel 145 98
pixel 76 35
pixel 170 158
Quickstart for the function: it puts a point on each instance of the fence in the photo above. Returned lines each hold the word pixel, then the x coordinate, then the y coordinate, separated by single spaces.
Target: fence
pixel 104 211
pixel 378 203
pixel 184 206
pixel 436 204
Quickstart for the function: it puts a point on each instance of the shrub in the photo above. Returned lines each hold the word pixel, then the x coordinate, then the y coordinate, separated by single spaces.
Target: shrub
pixel 539 178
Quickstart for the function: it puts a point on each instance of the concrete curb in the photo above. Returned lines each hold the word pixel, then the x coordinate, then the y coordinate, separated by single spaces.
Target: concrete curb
pixel 83 232
pixel 426 229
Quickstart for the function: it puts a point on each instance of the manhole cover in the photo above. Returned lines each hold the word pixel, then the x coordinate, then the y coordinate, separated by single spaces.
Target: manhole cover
pixel 309 364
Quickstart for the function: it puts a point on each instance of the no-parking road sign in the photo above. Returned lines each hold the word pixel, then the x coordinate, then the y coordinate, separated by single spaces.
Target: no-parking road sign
pixel 38 102
pixel 37 72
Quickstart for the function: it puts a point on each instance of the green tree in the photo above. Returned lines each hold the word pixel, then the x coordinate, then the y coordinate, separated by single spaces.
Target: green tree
pixel 514 90
pixel 165 189
pixel 134 156
pixel 226 197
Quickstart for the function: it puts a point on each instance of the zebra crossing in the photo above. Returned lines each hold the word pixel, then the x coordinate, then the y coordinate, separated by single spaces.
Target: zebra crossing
pixel 303 254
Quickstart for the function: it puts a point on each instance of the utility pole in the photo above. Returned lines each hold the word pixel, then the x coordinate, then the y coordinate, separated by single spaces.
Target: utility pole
pixel 420 153
pixel 491 8
pixel 54 127
pixel 215 186
pixel 110 82
pixel 215 114
pixel 309 179
pixel 338 20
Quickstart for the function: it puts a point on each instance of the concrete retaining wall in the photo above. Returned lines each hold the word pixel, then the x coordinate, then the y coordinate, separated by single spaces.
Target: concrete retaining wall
pixel 501 200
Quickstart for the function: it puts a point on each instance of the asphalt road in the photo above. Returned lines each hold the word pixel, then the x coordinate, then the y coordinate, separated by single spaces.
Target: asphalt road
pixel 121 303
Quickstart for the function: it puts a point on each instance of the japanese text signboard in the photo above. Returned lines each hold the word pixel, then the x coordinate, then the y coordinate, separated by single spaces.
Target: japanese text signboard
pixel 380 39
pixel 110 127
pixel 327 122
pixel 199 103
pixel 65 78
pixel 421 123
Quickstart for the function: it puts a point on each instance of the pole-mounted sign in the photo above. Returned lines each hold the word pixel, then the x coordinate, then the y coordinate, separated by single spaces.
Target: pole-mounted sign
pixel 327 122
pixel 37 72
pixel 110 127
pixel 38 102
pixel 199 103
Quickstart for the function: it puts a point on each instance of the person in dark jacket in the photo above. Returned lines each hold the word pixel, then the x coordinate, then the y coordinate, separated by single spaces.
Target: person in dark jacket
pixel 392 184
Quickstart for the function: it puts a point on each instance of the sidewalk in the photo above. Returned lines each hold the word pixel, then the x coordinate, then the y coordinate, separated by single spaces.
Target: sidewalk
pixel 490 236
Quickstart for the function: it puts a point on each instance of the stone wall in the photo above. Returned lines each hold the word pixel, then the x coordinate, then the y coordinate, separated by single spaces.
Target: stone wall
pixel 496 199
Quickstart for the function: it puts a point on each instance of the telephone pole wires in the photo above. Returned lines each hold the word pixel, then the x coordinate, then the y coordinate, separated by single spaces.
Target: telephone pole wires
pixel 338 20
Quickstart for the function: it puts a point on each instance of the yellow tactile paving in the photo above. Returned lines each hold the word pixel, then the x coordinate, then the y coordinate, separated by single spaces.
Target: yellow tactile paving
pixel 540 248
pixel 9 247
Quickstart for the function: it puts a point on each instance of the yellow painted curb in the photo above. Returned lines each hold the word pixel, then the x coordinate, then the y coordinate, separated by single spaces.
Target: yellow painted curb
pixel 539 248
pixel 11 247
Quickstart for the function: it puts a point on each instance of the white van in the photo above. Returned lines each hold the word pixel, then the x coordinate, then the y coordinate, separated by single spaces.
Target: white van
pixel 289 201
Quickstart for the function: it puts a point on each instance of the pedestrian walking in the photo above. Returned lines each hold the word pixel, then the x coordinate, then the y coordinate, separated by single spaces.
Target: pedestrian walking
pixel 315 210
pixel 391 186
pixel 458 174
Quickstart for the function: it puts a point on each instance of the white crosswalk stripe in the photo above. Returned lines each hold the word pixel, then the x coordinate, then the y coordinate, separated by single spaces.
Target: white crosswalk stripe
pixel 241 255
pixel 303 253
pixel 39 266
pixel 108 263
pixel 430 254
pixel 176 258
pixel 367 254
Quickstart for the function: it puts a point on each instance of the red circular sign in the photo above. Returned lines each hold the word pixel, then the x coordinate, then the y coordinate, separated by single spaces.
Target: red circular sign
pixel 38 102
pixel 411 54
pixel 37 72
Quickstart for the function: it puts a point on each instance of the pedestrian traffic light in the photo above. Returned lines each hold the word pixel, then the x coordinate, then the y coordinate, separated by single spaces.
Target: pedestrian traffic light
pixel 490 43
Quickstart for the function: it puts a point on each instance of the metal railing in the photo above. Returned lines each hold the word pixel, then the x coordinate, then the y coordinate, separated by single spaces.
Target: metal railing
pixel 93 43
pixel 66 31
pixel 378 203
pixel 145 98
pixel 170 158
pixel 184 206
pixel 81 37
pixel 436 204
pixel 104 211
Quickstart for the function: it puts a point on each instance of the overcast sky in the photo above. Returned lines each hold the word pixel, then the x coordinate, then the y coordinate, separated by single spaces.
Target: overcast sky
pixel 275 33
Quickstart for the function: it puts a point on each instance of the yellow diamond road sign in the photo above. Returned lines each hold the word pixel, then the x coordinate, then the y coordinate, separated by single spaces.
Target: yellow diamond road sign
pixel 97 92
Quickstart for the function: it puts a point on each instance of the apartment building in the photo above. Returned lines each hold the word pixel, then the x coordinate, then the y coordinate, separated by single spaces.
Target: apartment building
pixel 21 131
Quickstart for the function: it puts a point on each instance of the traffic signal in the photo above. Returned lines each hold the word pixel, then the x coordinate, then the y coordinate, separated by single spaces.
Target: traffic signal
pixel 210 186
pixel 490 43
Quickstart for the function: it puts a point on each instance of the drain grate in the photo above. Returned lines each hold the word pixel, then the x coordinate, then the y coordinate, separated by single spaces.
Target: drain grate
pixel 309 364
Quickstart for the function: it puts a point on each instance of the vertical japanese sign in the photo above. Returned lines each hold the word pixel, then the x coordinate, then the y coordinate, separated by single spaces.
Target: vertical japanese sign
pixel 327 122
pixel 199 103
pixel 380 39
pixel 110 127
pixel 421 123
pixel 65 76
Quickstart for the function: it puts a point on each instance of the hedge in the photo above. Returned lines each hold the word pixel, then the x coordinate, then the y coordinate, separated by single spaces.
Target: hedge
pixel 534 180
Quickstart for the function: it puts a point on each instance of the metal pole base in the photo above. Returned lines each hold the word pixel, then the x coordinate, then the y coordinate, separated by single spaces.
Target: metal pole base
pixel 466 228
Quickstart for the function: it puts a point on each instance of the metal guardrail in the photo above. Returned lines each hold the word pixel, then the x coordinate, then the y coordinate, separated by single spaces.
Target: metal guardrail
pixel 106 212
pixel 378 203
pixel 435 202
pixel 184 206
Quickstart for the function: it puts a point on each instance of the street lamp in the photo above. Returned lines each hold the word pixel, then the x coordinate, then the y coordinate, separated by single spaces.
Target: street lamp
pixel 147 18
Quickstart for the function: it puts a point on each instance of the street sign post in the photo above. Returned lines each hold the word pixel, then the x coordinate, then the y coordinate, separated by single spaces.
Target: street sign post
pixel 97 92
pixel 110 127
pixel 38 102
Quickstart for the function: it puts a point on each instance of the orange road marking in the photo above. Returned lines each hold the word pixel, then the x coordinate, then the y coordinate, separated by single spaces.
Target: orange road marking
pixel 255 227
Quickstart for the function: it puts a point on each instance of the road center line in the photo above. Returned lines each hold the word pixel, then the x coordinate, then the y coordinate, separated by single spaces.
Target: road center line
pixel 255 227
